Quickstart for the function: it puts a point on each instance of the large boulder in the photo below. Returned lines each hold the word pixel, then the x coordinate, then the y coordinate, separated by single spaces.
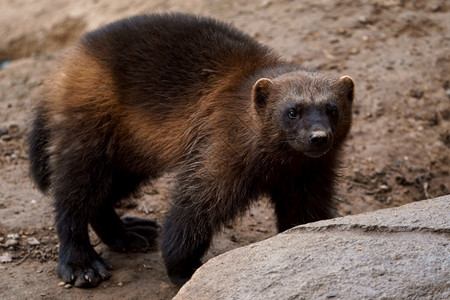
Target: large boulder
pixel 397 253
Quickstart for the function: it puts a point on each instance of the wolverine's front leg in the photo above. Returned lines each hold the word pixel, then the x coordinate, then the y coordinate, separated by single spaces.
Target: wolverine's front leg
pixel 186 236
pixel 201 206
pixel 303 199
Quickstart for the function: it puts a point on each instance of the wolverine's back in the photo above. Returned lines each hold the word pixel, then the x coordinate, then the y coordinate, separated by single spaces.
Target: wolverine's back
pixel 166 58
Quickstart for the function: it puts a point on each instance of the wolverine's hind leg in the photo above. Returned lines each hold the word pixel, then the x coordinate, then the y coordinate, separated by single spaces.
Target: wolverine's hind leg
pixel 79 193
pixel 85 193
pixel 127 233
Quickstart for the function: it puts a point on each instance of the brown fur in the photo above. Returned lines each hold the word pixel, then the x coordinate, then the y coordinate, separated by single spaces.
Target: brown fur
pixel 231 119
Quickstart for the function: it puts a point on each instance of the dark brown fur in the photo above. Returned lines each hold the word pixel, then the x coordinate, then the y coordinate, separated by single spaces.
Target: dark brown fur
pixel 178 93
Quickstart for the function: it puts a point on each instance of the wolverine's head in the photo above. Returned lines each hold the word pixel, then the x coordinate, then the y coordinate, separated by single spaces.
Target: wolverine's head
pixel 309 112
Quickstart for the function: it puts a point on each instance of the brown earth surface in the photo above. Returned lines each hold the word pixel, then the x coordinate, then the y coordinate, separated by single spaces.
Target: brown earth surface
pixel 397 52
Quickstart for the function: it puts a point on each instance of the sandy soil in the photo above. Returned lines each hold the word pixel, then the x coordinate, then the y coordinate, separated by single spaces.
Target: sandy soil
pixel 396 51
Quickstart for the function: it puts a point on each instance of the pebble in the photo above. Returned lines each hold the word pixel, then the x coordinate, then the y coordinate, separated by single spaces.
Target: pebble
pixel 364 20
pixel 68 286
pixel 61 283
pixel 415 93
pixel 379 171
pixel 11 242
pixel 354 51
pixel 13 236
pixel 341 31
pixel 266 4
pixel 32 241
pixel 6 257
pixel 384 187
pixel 435 7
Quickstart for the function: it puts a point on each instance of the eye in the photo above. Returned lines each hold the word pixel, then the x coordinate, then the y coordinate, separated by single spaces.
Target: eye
pixel 332 110
pixel 292 114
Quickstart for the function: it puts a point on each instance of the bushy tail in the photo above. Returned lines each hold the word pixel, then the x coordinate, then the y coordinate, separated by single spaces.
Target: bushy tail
pixel 39 157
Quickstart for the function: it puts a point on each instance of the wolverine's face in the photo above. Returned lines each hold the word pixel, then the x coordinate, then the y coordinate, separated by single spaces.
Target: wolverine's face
pixel 310 128
pixel 310 112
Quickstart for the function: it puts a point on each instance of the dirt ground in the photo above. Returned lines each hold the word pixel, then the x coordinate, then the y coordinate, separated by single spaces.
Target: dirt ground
pixel 397 52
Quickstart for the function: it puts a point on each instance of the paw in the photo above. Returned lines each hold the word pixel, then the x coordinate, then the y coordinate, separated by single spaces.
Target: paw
pixel 181 273
pixel 85 274
pixel 135 221
pixel 140 235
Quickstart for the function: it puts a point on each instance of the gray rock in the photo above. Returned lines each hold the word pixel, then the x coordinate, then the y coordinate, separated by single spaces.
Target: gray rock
pixel 399 253
pixel 6 257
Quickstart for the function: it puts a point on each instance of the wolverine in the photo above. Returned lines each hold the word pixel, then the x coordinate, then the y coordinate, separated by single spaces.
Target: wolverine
pixel 194 97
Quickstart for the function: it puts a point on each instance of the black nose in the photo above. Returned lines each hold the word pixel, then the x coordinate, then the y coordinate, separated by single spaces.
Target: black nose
pixel 318 138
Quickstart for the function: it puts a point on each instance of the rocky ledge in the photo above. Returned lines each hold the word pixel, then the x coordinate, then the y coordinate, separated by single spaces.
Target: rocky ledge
pixel 396 253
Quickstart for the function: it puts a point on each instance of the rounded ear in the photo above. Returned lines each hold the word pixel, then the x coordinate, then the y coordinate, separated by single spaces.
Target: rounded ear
pixel 261 91
pixel 348 86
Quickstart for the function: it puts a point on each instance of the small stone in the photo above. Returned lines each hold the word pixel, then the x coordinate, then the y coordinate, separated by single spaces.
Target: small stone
pixel 32 241
pixel 120 283
pixel 416 93
pixel 68 286
pixel 266 4
pixel 13 236
pixel 364 20
pixel 10 243
pixel 384 187
pixel 435 7
pixel 354 51
pixel 6 257
pixel 379 171
pixel 61 283
pixel 341 31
